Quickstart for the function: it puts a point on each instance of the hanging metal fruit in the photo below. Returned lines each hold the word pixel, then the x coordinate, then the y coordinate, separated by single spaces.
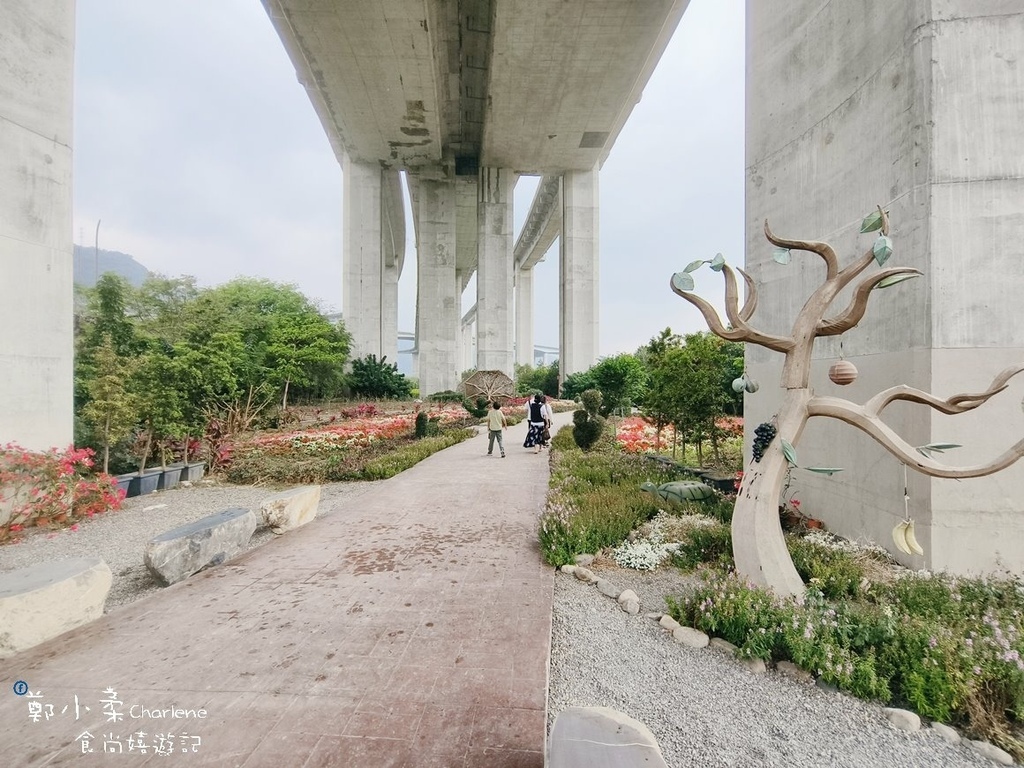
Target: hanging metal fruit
pixel 843 372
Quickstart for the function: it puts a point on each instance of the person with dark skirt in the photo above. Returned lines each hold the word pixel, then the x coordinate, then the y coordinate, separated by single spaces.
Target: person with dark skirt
pixel 537 424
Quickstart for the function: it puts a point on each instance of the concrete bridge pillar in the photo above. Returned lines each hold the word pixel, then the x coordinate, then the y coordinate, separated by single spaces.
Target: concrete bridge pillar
pixel 579 272
pixel 437 299
pixel 916 107
pixel 362 275
pixel 524 316
pixel 494 271
pixel 37 40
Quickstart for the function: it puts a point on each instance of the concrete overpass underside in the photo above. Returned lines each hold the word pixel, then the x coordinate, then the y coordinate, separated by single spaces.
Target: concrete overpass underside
pixel 465 97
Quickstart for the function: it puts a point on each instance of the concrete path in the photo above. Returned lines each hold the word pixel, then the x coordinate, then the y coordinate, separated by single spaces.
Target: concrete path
pixel 411 628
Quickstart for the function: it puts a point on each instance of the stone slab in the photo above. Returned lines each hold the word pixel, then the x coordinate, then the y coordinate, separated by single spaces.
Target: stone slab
pixel 291 509
pixel 599 737
pixel 46 600
pixel 188 549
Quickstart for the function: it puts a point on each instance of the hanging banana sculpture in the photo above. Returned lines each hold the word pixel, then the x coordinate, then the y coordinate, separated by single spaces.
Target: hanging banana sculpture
pixel 904 539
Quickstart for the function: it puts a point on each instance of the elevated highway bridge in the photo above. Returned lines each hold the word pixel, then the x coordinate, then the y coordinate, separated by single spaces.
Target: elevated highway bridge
pixel 916 107
pixel 464 97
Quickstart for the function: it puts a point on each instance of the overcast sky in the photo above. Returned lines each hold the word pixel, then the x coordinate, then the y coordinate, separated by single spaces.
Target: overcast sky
pixel 201 154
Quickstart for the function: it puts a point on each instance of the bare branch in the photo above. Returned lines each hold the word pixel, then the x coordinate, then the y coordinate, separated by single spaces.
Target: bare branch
pixel 859 417
pixel 751 303
pixel 951 405
pixel 745 333
pixel 858 305
pixel 822 249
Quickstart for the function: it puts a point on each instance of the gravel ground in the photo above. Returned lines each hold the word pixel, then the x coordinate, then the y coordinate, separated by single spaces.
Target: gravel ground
pixel 120 537
pixel 701 705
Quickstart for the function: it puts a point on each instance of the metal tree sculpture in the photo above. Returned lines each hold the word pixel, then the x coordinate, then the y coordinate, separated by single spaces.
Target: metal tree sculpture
pixel 759 547
pixel 490 385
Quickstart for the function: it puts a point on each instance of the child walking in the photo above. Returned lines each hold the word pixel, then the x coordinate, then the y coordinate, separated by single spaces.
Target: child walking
pixel 496 422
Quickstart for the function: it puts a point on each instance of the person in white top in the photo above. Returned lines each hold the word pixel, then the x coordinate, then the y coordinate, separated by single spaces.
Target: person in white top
pixel 537 424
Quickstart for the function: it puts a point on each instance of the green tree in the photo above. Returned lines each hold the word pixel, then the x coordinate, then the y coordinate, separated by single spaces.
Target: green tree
pixel 284 338
pixel 622 380
pixel 160 306
pixel 704 394
pixel 576 384
pixel 111 409
pixel 543 378
pixel 156 385
pixel 663 401
pixel 375 378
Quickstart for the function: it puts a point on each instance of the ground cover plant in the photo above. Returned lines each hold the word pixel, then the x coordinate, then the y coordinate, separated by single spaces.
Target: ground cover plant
pixel 950 649
pixel 364 442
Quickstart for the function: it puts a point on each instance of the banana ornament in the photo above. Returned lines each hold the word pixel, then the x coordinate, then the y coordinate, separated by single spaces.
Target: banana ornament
pixel 905 540
pixel 908 534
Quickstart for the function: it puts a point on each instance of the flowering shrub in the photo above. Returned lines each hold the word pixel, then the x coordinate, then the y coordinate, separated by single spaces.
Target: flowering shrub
pixel 648 552
pixel 634 435
pixel 51 487
pixel 950 648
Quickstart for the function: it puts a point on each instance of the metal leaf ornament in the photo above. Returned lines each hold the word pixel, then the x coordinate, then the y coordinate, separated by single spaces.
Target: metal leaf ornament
pixel 872 222
pixel 882 249
pixel 682 281
pixel 781 255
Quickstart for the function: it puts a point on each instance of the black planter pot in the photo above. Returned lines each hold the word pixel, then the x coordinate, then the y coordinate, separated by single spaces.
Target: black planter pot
pixel 194 471
pixel 169 477
pixel 144 483
pixel 124 482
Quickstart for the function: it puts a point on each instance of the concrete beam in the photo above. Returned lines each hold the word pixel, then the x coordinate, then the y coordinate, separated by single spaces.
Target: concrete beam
pixel 36 316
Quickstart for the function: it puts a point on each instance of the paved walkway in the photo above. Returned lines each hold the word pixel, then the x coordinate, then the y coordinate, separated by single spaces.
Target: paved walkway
pixel 411 628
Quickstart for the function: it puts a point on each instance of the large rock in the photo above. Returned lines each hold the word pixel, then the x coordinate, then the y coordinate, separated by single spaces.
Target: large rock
pixel 178 553
pixel 291 509
pixel 46 600
pixel 598 737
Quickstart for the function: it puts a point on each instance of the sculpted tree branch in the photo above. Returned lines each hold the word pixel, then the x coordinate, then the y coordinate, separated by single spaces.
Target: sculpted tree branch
pixel 741 333
pixel 951 405
pixel 861 418
pixel 854 313
pixel 759 548
pixel 822 249
pixel 751 303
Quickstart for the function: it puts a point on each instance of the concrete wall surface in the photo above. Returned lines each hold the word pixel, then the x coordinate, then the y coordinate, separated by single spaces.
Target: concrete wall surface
pixel 36 72
pixel 918 107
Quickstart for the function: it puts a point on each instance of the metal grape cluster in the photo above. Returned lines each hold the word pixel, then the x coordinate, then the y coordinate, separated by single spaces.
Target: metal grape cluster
pixel 763 436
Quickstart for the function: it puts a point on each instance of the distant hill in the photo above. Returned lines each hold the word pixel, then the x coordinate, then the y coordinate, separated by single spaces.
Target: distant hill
pixel 109 261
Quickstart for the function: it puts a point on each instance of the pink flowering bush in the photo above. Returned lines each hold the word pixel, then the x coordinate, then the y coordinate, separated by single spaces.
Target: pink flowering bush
pixel 53 487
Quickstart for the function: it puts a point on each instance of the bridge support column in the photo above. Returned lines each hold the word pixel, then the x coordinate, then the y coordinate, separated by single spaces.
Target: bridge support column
pixel 494 271
pixel 578 273
pixel 524 316
pixel 393 257
pixel 363 263
pixel 36 305
pixel 437 300
pixel 467 348
pixel 916 108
